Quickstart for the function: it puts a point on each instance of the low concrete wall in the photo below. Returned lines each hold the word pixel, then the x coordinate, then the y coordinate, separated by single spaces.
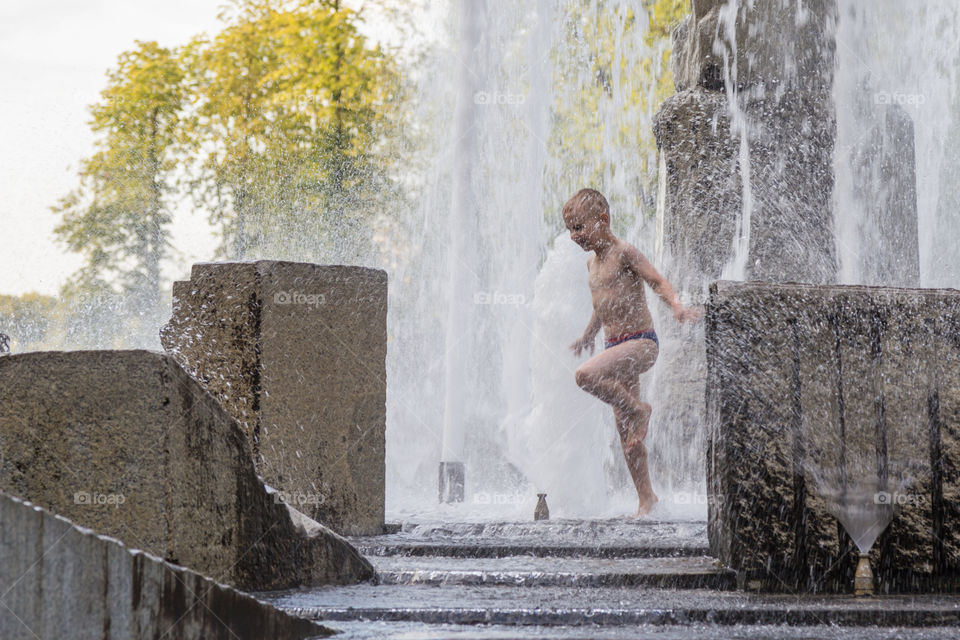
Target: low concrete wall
pixel 60 581
pixel 815 395
pixel 297 354
pixel 127 444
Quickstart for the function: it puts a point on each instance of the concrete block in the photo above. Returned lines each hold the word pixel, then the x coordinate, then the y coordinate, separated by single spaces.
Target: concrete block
pixel 819 393
pixel 127 444
pixel 62 581
pixel 790 146
pixel 297 354
pixel 774 44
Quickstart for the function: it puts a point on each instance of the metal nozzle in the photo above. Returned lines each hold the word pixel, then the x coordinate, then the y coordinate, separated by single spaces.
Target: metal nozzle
pixel 863 578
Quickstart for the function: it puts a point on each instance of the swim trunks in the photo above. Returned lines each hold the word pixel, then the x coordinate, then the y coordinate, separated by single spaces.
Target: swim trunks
pixel 640 335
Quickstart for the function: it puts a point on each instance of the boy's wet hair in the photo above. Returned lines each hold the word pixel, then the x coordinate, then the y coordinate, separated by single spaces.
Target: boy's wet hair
pixel 589 201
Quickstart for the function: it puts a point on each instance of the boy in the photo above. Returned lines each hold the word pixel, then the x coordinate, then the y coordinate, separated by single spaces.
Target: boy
pixel 617 273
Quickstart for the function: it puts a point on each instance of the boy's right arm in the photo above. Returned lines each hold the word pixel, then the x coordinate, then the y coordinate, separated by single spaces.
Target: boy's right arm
pixel 587 340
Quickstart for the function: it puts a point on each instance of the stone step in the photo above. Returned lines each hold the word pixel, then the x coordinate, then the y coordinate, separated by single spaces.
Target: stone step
pixel 494 550
pixel 614 538
pixel 563 607
pixel 403 630
pixel 531 571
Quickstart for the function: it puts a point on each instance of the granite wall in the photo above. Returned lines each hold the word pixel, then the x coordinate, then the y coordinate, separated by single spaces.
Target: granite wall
pixel 748 147
pixel 61 581
pixel 129 445
pixel 296 353
pixel 829 403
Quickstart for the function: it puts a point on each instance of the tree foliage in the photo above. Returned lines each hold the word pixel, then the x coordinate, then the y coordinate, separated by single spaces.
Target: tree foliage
pixel 289 98
pixel 119 216
pixel 272 126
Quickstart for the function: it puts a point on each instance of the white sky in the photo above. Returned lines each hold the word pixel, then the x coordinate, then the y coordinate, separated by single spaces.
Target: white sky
pixel 53 58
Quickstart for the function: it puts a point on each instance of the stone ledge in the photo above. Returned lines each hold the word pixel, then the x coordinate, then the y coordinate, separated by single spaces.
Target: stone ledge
pixel 127 444
pixel 62 581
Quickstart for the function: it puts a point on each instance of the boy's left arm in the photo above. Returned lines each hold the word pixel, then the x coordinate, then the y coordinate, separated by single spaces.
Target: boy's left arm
pixel 639 264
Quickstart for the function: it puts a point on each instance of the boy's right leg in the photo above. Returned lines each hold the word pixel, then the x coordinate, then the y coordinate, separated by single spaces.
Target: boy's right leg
pixel 613 376
pixel 632 433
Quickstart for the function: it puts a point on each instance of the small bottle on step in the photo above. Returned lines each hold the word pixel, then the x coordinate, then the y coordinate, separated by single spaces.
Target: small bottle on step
pixel 541 512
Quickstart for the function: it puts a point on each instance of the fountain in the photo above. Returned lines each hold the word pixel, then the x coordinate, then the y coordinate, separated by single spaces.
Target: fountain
pixel 775 158
pixel 482 380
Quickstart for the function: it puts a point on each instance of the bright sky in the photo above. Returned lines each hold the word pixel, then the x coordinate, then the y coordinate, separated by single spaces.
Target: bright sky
pixel 53 59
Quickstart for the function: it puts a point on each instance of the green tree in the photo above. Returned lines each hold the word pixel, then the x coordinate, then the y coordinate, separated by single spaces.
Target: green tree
pixel 289 102
pixel 119 216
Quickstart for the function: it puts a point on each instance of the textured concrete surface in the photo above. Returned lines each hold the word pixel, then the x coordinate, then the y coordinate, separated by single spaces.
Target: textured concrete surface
pixel 127 444
pixel 798 55
pixel 786 104
pixel 884 183
pixel 790 142
pixel 61 581
pixel 297 354
pixel 830 403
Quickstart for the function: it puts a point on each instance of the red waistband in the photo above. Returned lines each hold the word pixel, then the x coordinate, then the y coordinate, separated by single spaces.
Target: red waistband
pixel 627 336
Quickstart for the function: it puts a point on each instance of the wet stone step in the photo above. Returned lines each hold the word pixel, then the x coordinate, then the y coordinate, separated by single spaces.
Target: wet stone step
pixel 492 550
pixel 403 630
pixel 603 607
pixel 879 617
pixel 615 538
pixel 530 571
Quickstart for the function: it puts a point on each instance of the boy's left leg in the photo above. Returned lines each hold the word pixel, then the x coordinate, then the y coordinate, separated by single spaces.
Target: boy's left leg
pixel 613 376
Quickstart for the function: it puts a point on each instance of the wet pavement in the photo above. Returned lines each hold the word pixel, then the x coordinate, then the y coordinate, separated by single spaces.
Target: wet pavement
pixel 587 579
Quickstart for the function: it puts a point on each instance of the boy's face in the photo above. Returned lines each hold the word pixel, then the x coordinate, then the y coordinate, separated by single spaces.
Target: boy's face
pixel 585 228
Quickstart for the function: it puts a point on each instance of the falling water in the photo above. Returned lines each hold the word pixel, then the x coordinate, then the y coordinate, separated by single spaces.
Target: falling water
pixel 894 56
pixel 526 427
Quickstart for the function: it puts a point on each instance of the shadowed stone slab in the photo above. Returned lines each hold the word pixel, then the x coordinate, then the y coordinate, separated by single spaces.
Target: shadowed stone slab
pixel 611 606
pixel 297 354
pixel 61 581
pixel 127 444
pixel 826 403
pixel 528 571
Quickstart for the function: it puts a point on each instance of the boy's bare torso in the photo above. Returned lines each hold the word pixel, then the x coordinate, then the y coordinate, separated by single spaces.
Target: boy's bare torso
pixel 618 293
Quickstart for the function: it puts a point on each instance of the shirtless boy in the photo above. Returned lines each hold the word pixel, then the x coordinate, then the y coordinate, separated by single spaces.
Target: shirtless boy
pixel 617 273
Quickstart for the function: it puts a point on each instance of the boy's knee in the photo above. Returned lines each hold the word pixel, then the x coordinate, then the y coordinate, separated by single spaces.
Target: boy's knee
pixel 645 410
pixel 583 377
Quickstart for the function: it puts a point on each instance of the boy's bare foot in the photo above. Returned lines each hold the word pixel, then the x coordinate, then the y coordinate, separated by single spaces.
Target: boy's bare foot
pixel 646 505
